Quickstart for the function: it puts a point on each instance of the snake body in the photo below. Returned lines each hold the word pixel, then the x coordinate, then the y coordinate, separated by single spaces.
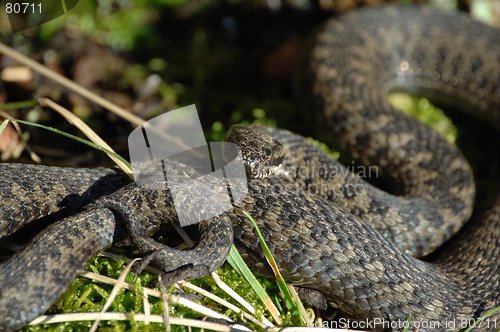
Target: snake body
pixel 355 247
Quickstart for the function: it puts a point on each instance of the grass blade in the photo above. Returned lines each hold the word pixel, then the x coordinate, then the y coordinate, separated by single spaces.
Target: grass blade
pixel 293 303
pixel 73 137
pixel 239 265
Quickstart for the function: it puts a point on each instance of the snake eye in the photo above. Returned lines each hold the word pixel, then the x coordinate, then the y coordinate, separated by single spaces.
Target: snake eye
pixel 267 152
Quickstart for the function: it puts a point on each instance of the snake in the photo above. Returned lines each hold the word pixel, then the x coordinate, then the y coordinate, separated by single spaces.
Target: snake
pixel 328 228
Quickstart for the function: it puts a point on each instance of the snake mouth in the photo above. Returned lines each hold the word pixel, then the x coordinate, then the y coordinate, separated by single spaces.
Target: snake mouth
pixel 261 153
pixel 257 171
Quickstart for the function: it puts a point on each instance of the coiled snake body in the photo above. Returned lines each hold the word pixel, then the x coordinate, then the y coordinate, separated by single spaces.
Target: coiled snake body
pixel 349 240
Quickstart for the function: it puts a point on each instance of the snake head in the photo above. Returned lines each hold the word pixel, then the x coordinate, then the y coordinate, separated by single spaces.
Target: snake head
pixel 262 153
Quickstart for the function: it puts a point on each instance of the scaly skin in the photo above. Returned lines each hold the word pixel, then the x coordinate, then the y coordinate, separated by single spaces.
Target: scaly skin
pixel 353 248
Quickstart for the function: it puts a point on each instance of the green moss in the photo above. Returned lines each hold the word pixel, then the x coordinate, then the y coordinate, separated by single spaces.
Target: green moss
pixel 85 295
pixel 424 111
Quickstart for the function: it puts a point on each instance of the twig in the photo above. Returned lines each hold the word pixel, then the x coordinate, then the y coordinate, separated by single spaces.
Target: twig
pixel 44 71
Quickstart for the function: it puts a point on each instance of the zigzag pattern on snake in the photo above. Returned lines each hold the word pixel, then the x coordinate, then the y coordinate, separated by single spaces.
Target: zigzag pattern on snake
pixel 354 247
